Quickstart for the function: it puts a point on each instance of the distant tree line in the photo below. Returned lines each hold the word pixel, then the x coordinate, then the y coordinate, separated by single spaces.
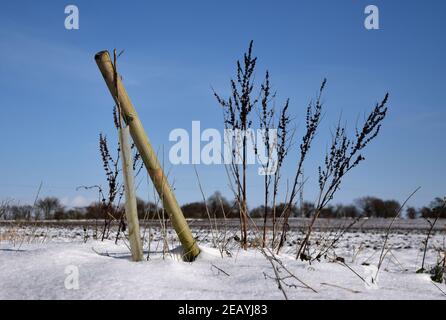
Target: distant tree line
pixel 217 206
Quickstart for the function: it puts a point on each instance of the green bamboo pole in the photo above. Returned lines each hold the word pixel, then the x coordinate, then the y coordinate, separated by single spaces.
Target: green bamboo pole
pixel 148 155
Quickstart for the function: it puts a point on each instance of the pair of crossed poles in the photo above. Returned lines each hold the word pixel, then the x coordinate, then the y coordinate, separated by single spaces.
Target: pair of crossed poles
pixel 134 126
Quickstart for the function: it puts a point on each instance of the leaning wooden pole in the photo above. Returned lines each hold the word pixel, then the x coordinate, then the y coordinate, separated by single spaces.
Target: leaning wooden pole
pixel 148 155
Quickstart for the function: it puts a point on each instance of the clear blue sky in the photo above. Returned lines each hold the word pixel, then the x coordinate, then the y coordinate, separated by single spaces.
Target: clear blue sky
pixel 54 102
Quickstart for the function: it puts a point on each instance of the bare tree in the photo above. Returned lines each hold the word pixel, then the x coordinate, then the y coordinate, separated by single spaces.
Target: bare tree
pixel 4 205
pixel 47 207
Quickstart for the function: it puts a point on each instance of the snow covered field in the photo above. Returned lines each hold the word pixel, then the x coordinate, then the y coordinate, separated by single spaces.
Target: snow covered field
pixel 38 262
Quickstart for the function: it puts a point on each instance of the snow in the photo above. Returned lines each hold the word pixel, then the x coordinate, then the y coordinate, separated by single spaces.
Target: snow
pixel 35 268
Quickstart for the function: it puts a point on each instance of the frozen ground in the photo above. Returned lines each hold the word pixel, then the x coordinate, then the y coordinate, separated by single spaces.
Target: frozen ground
pixel 37 262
